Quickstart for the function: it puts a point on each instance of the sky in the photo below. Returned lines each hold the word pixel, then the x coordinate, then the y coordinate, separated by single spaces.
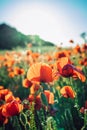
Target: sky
pixel 57 21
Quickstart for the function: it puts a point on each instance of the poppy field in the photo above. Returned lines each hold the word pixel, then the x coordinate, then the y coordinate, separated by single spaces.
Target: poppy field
pixel 44 91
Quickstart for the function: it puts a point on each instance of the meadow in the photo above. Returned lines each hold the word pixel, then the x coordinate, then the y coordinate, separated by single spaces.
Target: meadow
pixel 43 88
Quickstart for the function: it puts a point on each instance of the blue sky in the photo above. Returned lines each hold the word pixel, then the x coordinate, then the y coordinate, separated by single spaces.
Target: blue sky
pixel 54 20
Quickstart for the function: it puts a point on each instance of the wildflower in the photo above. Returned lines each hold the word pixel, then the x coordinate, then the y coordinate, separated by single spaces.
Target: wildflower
pixel 31 98
pixel 9 63
pixel 3 93
pixel 38 103
pixel 36 100
pixel 50 96
pixel 77 49
pixel 27 83
pixel 1 87
pixel 84 48
pixel 11 74
pixel 66 69
pixel 34 88
pixel 18 71
pixel 62 54
pixel 40 72
pixel 12 108
pixel 83 62
pixel 9 97
pixel 67 92
pixel 3 119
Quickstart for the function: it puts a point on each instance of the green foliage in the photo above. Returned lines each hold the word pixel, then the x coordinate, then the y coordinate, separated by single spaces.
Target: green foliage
pixel 13 124
pixel 27 126
pixel 23 119
pixel 32 118
pixel 64 114
pixel 44 99
pixel 4 79
pixel 40 117
pixel 10 38
pixel 51 123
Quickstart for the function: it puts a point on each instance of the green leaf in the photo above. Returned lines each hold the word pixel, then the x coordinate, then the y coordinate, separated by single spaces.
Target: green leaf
pixel 23 118
pixel 45 86
pixel 60 128
pixel 44 99
pixel 27 126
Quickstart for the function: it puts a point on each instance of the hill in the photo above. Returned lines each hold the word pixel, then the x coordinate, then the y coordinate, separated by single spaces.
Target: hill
pixel 10 38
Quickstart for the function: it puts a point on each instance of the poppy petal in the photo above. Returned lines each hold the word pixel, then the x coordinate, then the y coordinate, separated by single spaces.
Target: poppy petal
pixel 40 72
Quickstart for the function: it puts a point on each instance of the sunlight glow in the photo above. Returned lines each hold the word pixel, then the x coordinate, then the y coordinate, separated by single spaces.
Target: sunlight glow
pixel 43 21
pixel 37 21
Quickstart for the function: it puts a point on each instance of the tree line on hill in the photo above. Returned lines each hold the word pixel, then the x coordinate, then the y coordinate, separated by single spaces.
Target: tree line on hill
pixel 11 38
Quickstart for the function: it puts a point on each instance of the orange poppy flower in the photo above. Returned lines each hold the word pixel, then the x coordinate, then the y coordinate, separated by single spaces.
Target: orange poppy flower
pixel 2 58
pixel 67 92
pixel 11 74
pixel 79 74
pixel 27 83
pixel 1 87
pixel 9 97
pixel 77 49
pixel 18 99
pixel 66 69
pixel 18 71
pixel 3 119
pixel 36 100
pixel 50 96
pixel 83 62
pixel 11 108
pixel 38 103
pixel 84 48
pixel 3 93
pixel 62 54
pixel 29 52
pixel 40 72
pixel 9 63
pixel 35 87
pixel 35 55
pixel 31 98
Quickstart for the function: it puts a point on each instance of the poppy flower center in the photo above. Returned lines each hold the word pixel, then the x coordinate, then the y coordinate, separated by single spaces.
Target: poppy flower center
pixel 67 70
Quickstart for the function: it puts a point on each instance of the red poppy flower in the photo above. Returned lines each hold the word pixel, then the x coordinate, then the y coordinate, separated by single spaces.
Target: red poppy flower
pixel 63 53
pixel 27 83
pixel 67 92
pixel 19 71
pixel 66 69
pixel 34 88
pixel 11 108
pixel 3 93
pixel 37 101
pixel 84 48
pixel 9 97
pixel 50 96
pixel 40 72
pixel 1 87
pixel 3 119
pixel 31 98
pixel 77 49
